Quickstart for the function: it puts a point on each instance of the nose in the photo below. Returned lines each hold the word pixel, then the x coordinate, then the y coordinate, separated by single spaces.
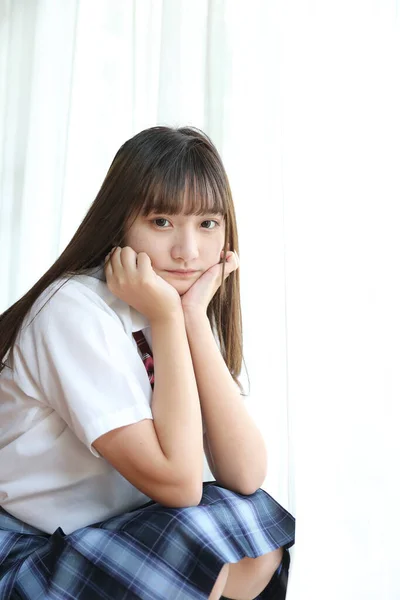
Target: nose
pixel 185 247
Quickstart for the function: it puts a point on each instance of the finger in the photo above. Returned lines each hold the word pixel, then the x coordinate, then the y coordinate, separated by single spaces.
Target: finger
pixel 116 261
pixel 232 258
pixel 231 263
pixel 143 263
pixel 229 253
pixel 128 259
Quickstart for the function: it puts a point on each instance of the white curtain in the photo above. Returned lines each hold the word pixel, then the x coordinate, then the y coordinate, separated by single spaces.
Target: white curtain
pixel 302 100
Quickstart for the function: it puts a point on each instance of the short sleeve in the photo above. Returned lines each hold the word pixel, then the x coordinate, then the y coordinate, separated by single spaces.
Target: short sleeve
pixel 85 364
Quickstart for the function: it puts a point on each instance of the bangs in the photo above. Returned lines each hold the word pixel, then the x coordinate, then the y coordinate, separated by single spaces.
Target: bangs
pixel 191 185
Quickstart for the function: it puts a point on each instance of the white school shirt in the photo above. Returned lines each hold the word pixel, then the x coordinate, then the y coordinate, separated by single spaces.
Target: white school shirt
pixel 76 374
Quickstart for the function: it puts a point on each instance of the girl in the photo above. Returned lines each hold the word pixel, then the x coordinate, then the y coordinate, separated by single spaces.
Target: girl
pixel 119 372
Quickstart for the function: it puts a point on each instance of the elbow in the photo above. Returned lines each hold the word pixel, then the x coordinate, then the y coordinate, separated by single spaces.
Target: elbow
pixel 249 490
pixel 188 494
pixel 181 498
pixel 244 488
pixel 193 485
pixel 195 493
pixel 249 487
pixel 188 501
pixel 254 481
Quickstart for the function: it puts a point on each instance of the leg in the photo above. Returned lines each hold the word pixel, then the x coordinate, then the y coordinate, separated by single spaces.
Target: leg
pixel 248 577
pixel 220 583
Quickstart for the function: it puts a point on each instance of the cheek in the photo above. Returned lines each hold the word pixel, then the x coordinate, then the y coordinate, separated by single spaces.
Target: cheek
pixel 213 251
pixel 141 242
pixel 154 249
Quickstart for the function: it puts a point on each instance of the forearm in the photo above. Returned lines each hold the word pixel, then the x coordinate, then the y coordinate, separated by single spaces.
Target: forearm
pixel 175 404
pixel 235 442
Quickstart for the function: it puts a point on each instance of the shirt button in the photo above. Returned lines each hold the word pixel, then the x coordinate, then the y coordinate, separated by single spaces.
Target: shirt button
pixel 3 496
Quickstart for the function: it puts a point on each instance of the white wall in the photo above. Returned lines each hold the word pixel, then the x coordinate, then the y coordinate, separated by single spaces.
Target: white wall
pixel 341 157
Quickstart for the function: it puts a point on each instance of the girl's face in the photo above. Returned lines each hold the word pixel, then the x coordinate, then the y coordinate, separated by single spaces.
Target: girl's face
pixel 179 242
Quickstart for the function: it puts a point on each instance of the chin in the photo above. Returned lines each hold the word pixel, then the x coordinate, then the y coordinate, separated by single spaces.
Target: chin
pixel 181 289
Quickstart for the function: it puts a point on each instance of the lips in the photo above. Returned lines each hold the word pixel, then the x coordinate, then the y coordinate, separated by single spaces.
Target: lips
pixel 182 273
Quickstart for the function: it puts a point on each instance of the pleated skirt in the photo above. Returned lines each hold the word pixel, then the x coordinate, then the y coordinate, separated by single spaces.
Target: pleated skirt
pixel 151 553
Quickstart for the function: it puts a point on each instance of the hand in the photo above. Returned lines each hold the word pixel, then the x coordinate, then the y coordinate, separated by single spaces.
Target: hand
pixel 202 291
pixel 131 278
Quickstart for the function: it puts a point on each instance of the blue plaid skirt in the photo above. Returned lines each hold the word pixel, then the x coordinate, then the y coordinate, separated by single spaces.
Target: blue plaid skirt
pixel 151 553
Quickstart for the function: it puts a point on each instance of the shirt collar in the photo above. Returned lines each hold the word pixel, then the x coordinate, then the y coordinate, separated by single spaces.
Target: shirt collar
pixel 139 321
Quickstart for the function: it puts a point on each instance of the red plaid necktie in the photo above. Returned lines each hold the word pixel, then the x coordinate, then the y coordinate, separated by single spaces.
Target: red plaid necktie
pixel 145 352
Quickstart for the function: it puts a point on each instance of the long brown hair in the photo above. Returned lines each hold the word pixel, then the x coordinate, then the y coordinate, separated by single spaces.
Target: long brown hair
pixel 158 169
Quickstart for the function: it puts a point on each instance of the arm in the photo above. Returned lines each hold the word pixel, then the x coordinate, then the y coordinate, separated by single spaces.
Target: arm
pixel 232 442
pixel 168 452
pixel 163 457
pixel 175 405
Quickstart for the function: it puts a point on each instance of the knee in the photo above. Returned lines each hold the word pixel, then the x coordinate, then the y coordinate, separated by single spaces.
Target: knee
pixel 220 583
pixel 270 561
pixel 248 577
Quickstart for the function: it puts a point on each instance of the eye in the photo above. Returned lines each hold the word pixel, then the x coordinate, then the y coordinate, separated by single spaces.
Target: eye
pixel 216 224
pixel 160 219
